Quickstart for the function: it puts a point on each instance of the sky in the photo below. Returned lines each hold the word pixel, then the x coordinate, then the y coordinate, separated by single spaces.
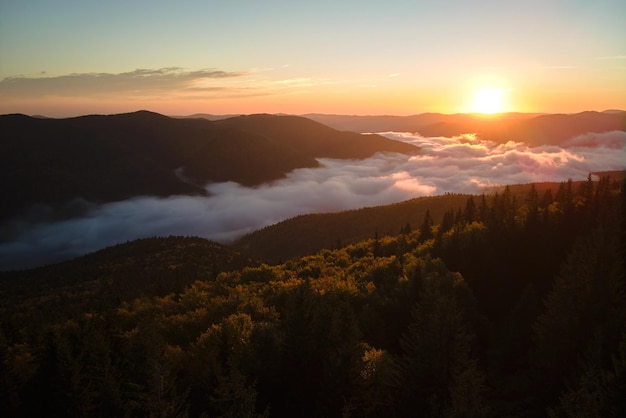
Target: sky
pixel 464 164
pixel 67 58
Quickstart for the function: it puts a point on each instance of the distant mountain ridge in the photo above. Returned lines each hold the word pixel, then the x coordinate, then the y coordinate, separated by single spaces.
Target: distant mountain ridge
pixel 532 128
pixel 108 158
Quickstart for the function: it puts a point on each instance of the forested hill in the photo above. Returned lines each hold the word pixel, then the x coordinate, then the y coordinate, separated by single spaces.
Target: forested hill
pixel 110 158
pixel 507 307
pixel 308 234
pixel 125 271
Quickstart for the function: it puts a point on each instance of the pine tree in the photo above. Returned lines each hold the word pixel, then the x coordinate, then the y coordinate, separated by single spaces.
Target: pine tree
pixel 585 314
pixel 437 372
pixel 426 229
pixel 469 214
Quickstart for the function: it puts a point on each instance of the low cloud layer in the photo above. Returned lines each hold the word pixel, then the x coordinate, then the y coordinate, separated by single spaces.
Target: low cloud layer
pixel 461 164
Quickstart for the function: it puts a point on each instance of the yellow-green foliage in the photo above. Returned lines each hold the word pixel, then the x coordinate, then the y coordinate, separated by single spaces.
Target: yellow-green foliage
pixel 453 325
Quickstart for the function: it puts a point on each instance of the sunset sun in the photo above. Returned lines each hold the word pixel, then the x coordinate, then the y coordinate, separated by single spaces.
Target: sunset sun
pixel 488 101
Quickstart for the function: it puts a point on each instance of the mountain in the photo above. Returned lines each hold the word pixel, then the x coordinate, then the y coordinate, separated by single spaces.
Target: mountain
pixel 314 138
pixel 555 129
pixel 535 129
pixel 109 158
pixel 208 116
pixel 413 123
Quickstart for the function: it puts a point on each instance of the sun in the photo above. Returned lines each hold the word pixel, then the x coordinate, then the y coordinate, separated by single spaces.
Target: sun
pixel 488 101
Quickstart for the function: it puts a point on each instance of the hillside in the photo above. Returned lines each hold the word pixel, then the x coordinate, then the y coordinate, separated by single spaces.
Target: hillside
pixel 147 266
pixel 308 234
pixel 508 307
pixel 110 158
pixel 314 138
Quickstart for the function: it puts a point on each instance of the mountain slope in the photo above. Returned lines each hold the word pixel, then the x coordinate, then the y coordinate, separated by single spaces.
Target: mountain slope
pixel 314 138
pixel 144 267
pixel 109 158
pixel 308 234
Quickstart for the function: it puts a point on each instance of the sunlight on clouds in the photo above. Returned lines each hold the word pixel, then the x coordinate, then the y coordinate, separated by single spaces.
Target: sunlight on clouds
pixel 481 184
pixel 448 162
pixel 404 181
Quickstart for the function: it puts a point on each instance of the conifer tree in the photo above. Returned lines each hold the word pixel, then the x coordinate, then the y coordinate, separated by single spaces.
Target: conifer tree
pixel 426 229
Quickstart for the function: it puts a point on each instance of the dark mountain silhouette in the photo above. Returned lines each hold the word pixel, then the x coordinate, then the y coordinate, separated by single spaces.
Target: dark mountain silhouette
pixel 110 158
pixel 314 138
pixel 535 129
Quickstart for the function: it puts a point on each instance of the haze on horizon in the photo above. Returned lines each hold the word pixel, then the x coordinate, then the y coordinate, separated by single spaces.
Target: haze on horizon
pixel 72 58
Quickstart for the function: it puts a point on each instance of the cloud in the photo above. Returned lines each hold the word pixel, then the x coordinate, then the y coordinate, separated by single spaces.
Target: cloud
pixel 170 83
pixel 613 140
pixel 461 164
pixel 137 82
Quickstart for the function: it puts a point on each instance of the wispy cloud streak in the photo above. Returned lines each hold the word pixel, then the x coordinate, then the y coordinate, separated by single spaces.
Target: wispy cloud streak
pixel 170 83
pixel 139 81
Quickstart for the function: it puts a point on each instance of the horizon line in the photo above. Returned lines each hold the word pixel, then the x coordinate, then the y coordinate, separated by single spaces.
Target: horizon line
pixel 227 115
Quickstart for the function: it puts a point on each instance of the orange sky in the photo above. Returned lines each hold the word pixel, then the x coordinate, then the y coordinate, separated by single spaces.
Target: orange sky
pixel 396 57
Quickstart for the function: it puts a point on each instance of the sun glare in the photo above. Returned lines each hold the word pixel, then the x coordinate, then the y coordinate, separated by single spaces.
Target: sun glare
pixel 488 101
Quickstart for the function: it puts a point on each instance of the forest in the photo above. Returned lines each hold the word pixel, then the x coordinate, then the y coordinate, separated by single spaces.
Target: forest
pixel 508 304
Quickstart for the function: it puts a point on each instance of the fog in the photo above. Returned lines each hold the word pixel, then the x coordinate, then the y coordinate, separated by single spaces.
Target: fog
pixel 463 164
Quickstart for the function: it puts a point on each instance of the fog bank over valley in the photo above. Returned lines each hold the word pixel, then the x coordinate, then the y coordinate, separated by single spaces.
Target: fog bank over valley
pixel 463 164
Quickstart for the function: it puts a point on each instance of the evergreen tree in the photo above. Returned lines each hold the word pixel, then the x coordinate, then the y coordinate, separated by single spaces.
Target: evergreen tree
pixel 426 229
pixel 447 223
pixel 585 314
pixel 470 212
pixel 437 372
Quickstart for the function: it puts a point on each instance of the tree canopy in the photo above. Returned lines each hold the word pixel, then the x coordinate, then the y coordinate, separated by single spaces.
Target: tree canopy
pixel 507 306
